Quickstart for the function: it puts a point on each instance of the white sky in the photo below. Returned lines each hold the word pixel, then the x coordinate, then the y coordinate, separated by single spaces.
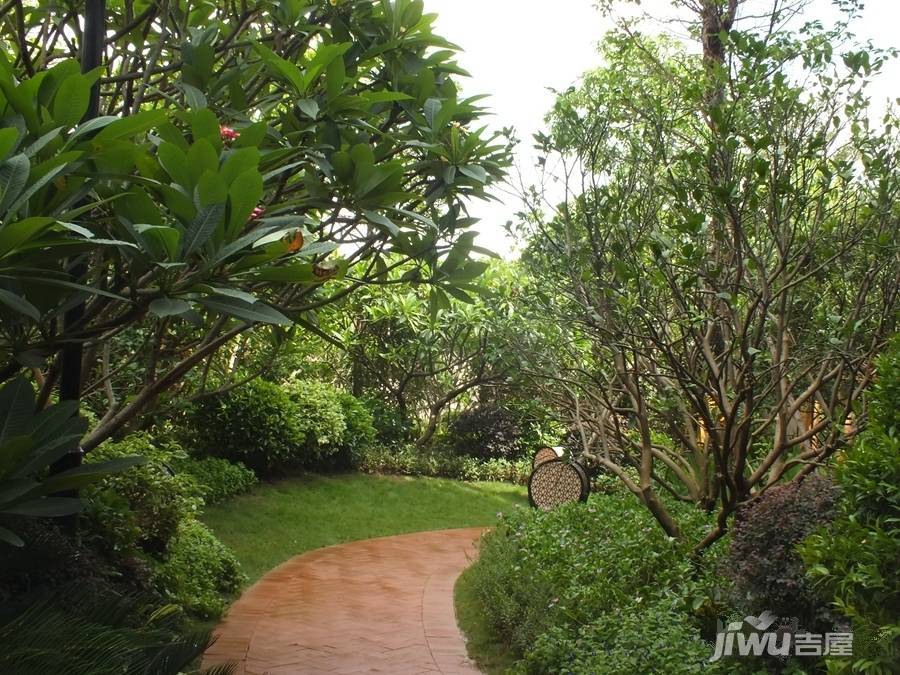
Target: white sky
pixel 516 50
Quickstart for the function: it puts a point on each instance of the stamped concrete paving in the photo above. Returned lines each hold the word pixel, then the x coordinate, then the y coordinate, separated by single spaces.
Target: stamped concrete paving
pixel 374 606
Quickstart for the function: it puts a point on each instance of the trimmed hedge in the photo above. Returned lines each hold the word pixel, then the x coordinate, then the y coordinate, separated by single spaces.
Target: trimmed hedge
pixel 217 478
pixel 199 571
pixel 274 429
pixel 143 506
pixel 407 460
pixel 145 519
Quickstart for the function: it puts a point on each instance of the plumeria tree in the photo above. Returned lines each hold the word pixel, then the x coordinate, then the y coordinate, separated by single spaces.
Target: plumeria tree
pixel 724 256
pixel 253 163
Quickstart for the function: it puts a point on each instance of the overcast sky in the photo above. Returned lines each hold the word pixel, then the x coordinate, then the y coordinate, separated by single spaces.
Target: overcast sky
pixel 517 50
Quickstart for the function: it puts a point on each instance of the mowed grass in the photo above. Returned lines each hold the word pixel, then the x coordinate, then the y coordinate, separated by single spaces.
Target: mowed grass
pixel 278 520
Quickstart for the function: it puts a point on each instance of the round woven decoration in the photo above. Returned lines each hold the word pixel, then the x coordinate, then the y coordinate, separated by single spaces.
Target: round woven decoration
pixel 557 482
pixel 544 455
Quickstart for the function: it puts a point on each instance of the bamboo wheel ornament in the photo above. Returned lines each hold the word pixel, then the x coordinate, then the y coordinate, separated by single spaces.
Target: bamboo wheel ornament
pixel 557 482
pixel 545 455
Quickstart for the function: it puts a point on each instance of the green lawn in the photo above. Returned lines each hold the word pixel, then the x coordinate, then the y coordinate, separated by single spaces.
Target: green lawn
pixel 278 520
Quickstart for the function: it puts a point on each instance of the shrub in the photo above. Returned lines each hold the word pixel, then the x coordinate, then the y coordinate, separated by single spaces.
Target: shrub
pixel 320 418
pixel 391 426
pixel 146 517
pixel 486 432
pixel 217 478
pixel 144 505
pixel 853 561
pixel 198 570
pixel 640 638
pixel 359 435
pixel 763 564
pixel 542 575
pixel 407 460
pixel 257 424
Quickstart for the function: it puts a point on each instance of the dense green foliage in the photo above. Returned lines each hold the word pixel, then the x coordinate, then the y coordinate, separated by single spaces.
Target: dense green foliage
pixel 551 585
pixel 146 519
pixel 199 571
pixel 275 428
pixel 259 254
pixel 96 635
pixel 319 414
pixel 256 424
pixel 853 561
pixel 217 478
pixel 144 506
pixel 407 460
pixel 31 442
pixel 486 432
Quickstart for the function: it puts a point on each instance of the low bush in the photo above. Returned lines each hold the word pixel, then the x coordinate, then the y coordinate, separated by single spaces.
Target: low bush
pixel 276 428
pixel 359 436
pixel 145 521
pixel 552 583
pixel 652 637
pixel 257 424
pixel 485 432
pixel 217 478
pixel 320 416
pixel 142 506
pixel 391 426
pixel 199 570
pixel 763 564
pixel 854 561
pixel 407 460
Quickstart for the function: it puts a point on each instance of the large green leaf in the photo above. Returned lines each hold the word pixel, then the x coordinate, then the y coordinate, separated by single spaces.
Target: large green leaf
pixel 130 126
pixel 52 422
pixel 13 176
pixel 86 474
pixel 71 100
pixel 256 312
pixel 15 234
pixel 46 507
pixel 19 304
pixel 16 408
pixel 163 307
pixel 13 453
pixel 9 137
pixel 204 225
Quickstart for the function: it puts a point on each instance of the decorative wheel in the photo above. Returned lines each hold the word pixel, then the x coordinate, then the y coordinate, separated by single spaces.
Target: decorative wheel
pixel 545 455
pixel 557 482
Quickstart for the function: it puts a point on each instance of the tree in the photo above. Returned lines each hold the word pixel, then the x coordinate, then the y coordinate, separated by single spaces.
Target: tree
pixel 725 252
pixel 424 356
pixel 240 149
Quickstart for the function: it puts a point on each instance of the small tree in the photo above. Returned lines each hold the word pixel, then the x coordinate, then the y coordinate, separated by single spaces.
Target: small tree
pixel 724 259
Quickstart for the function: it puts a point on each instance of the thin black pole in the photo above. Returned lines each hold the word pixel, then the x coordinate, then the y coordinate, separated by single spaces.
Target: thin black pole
pixel 94 34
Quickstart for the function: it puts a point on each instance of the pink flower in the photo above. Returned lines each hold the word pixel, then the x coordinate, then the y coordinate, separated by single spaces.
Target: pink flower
pixel 257 213
pixel 227 133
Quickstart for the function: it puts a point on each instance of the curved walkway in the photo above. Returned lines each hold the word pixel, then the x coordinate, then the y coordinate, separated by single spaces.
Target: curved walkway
pixel 374 606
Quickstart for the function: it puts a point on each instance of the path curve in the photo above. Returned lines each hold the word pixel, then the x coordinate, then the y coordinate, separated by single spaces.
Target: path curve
pixel 374 606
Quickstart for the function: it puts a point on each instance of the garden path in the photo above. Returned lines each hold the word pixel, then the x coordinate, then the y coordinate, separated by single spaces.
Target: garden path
pixel 375 606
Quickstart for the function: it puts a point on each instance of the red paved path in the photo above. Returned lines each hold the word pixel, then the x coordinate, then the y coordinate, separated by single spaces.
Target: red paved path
pixel 374 606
